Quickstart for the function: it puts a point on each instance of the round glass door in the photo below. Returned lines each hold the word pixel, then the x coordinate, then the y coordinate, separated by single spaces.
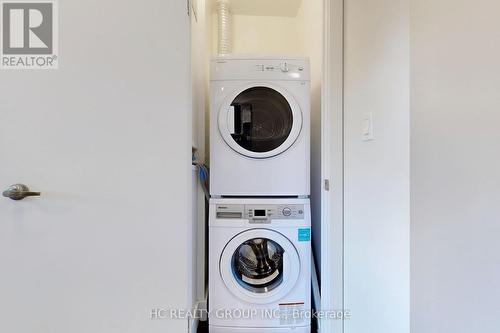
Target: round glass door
pixel 260 121
pixel 260 266
pixel 263 119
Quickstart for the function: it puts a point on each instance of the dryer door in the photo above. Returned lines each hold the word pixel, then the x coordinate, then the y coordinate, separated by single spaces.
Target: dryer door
pixel 260 121
pixel 260 266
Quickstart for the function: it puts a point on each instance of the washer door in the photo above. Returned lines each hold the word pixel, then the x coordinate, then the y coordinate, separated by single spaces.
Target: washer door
pixel 260 266
pixel 260 121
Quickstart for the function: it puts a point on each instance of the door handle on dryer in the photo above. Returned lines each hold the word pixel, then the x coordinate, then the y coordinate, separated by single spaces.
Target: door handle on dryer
pixel 231 126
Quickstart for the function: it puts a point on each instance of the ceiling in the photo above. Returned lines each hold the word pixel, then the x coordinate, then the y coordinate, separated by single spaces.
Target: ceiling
pixel 287 8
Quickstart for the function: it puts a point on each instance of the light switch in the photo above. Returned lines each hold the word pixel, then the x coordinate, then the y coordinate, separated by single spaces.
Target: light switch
pixel 367 127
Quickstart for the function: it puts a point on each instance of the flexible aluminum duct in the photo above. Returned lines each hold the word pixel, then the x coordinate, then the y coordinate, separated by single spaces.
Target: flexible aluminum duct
pixel 224 27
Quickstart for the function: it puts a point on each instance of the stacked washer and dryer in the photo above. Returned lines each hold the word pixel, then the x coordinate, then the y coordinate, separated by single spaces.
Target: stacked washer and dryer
pixel 259 216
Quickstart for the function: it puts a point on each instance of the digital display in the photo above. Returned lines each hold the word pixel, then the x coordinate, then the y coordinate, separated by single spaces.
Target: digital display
pixel 259 213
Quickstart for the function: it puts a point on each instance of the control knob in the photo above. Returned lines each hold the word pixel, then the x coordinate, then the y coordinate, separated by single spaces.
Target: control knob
pixel 284 67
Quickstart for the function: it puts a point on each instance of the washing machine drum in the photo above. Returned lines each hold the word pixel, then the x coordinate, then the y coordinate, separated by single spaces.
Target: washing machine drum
pixel 260 121
pixel 258 265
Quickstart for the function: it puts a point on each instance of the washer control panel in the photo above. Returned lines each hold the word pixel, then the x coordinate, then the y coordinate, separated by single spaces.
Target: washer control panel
pixel 261 213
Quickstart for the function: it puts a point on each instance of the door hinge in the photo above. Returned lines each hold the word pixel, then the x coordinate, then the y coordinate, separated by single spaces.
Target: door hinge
pixel 327 184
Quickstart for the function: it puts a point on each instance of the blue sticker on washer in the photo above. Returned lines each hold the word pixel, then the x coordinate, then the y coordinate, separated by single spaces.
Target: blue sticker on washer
pixel 305 235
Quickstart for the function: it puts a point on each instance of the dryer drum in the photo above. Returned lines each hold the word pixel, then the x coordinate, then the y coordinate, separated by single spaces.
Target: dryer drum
pixel 263 119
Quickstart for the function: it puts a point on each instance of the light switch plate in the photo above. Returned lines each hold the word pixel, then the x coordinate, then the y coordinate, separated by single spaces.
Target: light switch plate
pixel 367 127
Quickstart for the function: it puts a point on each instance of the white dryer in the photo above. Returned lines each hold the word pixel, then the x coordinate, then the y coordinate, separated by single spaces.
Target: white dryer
pixel 259 127
pixel 259 266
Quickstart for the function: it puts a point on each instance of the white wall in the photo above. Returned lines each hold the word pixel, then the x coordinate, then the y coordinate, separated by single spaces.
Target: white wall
pixel 252 34
pixel 200 51
pixel 199 72
pixel 377 172
pixel 455 163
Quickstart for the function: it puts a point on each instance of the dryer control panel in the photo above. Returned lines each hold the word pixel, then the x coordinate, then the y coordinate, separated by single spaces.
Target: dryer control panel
pixel 282 69
pixel 261 213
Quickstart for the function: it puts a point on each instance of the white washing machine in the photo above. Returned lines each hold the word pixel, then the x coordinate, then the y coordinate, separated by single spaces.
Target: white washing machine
pixel 259 127
pixel 259 266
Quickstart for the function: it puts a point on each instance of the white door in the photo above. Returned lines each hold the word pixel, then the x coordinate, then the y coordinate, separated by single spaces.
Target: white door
pixel 106 140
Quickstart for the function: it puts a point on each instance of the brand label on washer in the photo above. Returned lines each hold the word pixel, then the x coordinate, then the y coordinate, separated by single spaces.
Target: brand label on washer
pixel 305 235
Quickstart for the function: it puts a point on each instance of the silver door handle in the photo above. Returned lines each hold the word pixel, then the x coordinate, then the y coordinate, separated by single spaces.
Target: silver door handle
pixel 19 192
